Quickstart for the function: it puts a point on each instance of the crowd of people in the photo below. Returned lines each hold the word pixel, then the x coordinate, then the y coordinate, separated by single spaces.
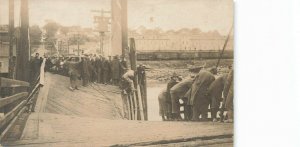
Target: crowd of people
pixel 89 69
pixel 200 93
pixel 206 91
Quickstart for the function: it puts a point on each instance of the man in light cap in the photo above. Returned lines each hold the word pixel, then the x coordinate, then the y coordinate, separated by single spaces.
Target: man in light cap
pixel 127 81
pixel 127 87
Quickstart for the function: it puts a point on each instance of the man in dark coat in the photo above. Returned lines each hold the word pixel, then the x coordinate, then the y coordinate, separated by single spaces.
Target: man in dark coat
pixel 48 64
pixel 93 70
pixel 173 81
pixel 177 92
pixel 127 87
pixel 105 71
pixel 124 66
pixel 228 94
pixel 99 67
pixel 73 71
pixel 109 76
pixel 35 67
pixel 198 99
pixel 116 70
pixel 162 101
pixel 215 95
pixel 85 71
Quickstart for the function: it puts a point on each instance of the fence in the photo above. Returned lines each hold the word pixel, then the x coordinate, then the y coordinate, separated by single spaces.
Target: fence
pixel 21 99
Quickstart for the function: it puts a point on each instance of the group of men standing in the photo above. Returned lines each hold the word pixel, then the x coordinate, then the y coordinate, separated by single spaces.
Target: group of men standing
pixel 96 69
pixel 198 93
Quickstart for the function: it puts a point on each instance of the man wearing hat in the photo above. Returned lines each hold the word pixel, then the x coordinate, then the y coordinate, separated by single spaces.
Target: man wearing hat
pixel 85 71
pixel 116 70
pixel 105 71
pixel 215 95
pixel 173 81
pixel 228 96
pixel 198 99
pixel 123 65
pixel 177 92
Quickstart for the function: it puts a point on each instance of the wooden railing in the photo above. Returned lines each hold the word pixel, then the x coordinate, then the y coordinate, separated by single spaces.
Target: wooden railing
pixel 136 101
pixel 17 103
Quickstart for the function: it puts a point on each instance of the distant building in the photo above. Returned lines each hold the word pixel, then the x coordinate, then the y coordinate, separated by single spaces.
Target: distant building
pixel 66 43
pixel 184 39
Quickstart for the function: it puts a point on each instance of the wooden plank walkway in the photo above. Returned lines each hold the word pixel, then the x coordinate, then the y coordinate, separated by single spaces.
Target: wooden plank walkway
pixel 91 117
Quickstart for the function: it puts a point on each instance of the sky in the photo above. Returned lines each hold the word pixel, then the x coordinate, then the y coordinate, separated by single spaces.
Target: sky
pixel 207 15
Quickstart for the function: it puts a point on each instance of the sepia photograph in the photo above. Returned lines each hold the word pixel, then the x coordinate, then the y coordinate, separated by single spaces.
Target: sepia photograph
pixel 117 73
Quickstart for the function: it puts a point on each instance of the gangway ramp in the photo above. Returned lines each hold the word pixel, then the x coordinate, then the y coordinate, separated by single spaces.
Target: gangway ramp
pixel 92 116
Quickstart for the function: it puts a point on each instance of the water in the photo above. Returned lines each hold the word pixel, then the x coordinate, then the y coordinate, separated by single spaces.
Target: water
pixel 153 106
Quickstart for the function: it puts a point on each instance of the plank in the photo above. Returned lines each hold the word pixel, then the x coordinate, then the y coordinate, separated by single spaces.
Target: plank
pixel 5 82
pixel 3 134
pixel 7 100
pixel 139 96
pixel 130 106
pixel 9 116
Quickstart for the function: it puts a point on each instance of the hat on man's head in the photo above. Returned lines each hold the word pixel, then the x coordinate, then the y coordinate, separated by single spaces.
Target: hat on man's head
pixel 174 74
pixel 213 70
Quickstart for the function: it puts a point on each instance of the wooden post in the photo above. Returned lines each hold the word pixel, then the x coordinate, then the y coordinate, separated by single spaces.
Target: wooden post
pixel 68 47
pixel 11 39
pixel 135 106
pixel 134 68
pixel 141 102
pixel 124 26
pixel 78 44
pixel 128 107
pixel 143 90
pixel 145 96
pixel 23 50
pixel 131 107
pixel 225 44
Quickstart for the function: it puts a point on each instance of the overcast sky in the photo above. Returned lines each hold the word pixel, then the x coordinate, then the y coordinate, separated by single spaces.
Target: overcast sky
pixel 207 15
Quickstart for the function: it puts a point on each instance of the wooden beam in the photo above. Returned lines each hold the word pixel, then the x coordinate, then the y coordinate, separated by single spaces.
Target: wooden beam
pixel 131 106
pixel 134 68
pixel 139 96
pixel 23 53
pixel 8 100
pixel 124 26
pixel 11 38
pixel 9 116
pixel 5 82
pixel 3 134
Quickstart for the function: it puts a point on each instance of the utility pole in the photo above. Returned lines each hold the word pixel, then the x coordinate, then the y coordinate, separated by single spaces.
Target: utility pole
pixel 11 39
pixel 119 27
pixel 23 51
pixel 102 23
pixel 68 47
pixel 78 44
pixel 124 26
pixel 225 44
pixel 101 42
